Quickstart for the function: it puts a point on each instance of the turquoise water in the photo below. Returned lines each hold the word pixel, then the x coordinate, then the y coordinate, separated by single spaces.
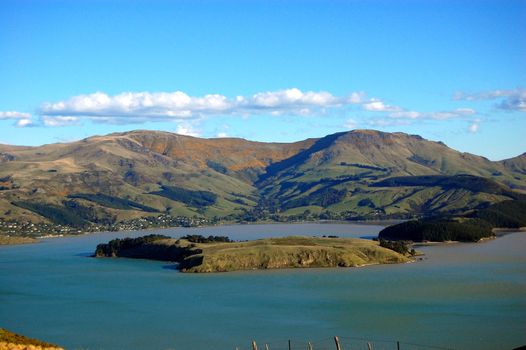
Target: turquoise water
pixel 464 296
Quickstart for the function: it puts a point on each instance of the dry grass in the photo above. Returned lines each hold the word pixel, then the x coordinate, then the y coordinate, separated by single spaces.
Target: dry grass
pixel 293 252
pixel 13 341
pixel 8 240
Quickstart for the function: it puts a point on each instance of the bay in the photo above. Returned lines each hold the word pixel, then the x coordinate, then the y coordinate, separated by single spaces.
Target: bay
pixel 463 296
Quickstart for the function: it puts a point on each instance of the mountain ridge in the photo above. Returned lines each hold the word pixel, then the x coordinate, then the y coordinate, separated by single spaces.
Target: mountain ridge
pixel 111 177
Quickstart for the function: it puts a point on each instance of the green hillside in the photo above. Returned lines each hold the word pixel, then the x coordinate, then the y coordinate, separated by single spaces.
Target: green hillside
pixel 479 224
pixel 125 180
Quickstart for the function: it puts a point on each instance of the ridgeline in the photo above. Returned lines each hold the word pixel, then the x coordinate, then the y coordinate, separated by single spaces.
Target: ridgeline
pixel 143 179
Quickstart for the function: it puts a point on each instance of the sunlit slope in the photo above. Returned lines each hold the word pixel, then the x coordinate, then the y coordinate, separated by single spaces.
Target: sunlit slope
pixel 516 164
pixel 145 173
pixel 135 165
pixel 339 171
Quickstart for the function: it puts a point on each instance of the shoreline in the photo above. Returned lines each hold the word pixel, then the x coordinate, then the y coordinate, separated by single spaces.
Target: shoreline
pixel 500 231
pixel 336 222
pixel 17 240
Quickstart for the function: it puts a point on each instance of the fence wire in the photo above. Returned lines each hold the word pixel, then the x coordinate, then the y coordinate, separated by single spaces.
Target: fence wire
pixel 345 343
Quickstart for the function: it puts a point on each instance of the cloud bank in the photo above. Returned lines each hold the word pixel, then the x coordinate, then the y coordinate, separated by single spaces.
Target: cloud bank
pixel 511 100
pixel 144 106
pixel 188 111
pixel 21 119
pixel 139 107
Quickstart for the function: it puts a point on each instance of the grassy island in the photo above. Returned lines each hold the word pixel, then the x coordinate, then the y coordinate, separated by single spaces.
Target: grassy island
pixel 271 253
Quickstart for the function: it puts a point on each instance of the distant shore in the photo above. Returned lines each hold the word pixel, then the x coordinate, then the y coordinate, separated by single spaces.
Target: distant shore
pixel 6 240
pixel 14 240
pixel 503 230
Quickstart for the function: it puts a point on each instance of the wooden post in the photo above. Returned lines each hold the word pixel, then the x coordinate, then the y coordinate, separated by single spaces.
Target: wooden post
pixel 337 341
pixel 369 346
pixel 309 346
pixel 398 345
pixel 266 347
pixel 254 345
pixel 289 345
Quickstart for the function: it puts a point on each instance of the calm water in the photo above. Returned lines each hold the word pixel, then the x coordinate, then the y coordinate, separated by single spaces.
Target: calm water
pixel 464 296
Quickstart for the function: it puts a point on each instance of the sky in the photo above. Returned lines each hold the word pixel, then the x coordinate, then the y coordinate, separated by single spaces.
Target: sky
pixel 275 71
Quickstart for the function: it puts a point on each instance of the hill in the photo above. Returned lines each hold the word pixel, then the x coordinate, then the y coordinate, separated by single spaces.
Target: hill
pixel 473 227
pixel 142 178
pixel 272 253
pixel 516 164
pixel 343 173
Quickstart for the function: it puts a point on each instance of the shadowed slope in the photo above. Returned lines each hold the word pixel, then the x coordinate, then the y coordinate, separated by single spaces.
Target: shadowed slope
pixel 134 174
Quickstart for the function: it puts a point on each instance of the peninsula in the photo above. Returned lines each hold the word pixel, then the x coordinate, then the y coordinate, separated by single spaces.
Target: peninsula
pixel 218 254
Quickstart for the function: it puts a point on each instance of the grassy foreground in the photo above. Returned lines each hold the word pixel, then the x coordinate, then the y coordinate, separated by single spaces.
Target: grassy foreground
pixel 271 253
pixel 13 341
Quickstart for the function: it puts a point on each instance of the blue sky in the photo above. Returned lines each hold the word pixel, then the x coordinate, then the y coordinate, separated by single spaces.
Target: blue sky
pixel 452 71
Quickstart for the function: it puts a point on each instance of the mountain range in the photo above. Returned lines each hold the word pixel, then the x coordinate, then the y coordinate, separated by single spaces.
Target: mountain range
pixel 356 174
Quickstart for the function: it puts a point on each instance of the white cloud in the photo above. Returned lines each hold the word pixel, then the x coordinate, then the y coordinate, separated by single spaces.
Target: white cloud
pixel 388 122
pixel 406 115
pixel 356 97
pixel 350 124
pixel 515 102
pixel 222 134
pixel 22 123
pixel 129 107
pixel 188 130
pixel 473 128
pixel 14 115
pixel 442 115
pixel 22 119
pixel 60 120
pixel 511 100
pixel 376 105
pixel 292 97
pixel 485 95
pixel 140 107
pixel 459 112
pixel 128 104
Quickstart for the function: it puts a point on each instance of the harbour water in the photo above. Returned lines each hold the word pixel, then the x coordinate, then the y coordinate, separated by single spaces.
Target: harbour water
pixel 462 296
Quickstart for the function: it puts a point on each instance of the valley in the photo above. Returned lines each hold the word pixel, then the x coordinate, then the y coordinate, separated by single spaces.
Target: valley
pixel 147 179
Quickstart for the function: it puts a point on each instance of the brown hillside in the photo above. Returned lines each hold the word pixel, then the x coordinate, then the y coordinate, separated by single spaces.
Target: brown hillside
pixel 334 173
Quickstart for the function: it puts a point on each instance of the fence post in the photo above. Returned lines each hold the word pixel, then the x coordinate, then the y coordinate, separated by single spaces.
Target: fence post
pixel 398 345
pixel 368 346
pixel 289 345
pixel 254 345
pixel 309 346
pixel 337 341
